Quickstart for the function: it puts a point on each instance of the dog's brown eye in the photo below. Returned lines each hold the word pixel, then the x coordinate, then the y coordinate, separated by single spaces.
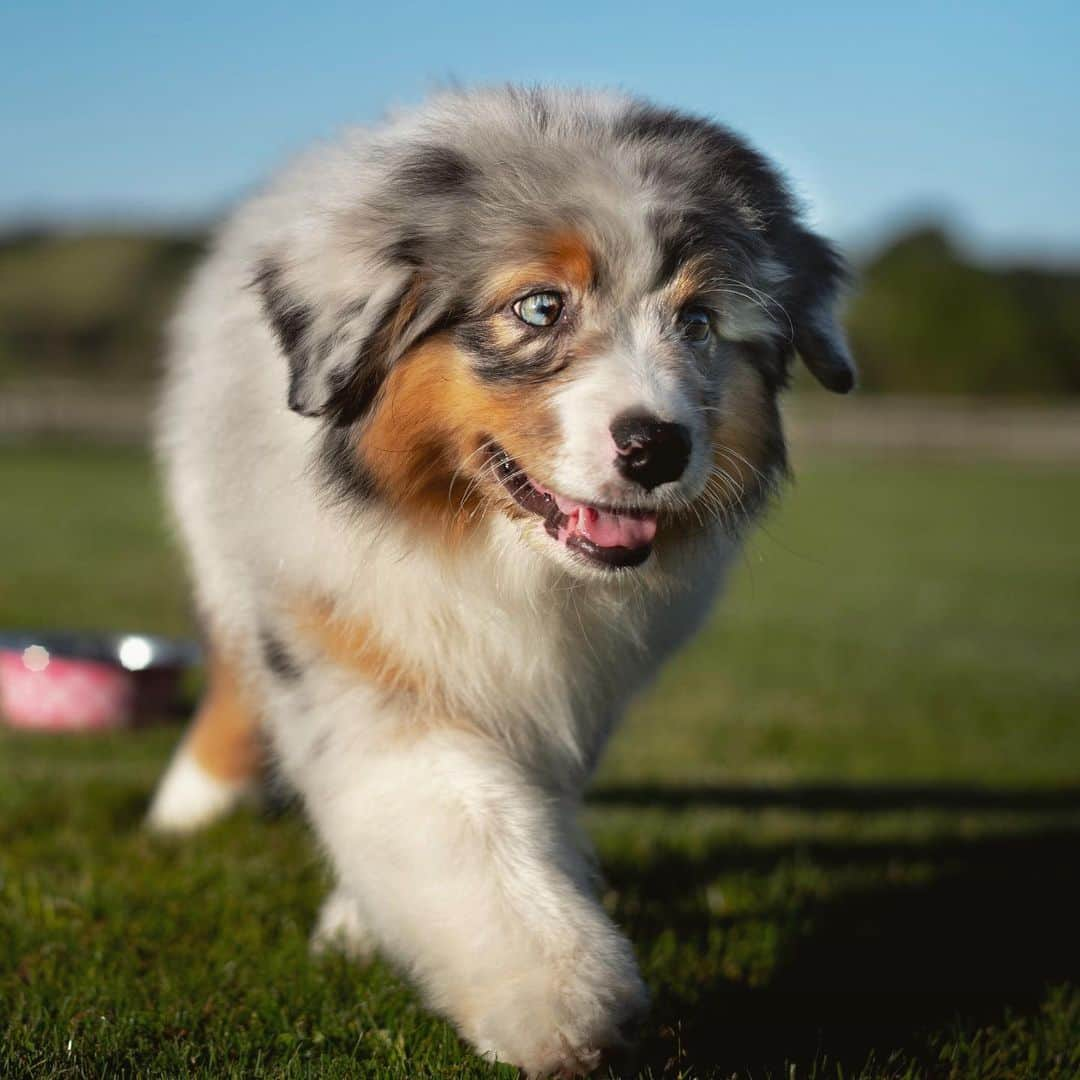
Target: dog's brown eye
pixel 695 324
pixel 539 309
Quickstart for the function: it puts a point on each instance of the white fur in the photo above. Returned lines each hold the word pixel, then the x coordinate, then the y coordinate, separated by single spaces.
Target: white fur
pixel 630 378
pixel 188 797
pixel 451 826
pixel 341 927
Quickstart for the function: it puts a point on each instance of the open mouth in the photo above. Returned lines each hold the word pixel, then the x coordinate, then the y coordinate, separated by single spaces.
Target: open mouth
pixel 604 536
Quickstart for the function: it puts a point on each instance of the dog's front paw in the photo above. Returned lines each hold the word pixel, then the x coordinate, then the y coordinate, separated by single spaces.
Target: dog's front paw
pixel 567 1020
pixel 341 928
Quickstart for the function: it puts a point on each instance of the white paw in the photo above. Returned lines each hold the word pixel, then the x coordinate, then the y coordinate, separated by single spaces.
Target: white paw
pixel 341 928
pixel 188 797
pixel 565 1021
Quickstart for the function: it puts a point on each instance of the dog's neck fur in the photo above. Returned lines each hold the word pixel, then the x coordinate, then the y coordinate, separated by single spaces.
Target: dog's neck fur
pixel 509 642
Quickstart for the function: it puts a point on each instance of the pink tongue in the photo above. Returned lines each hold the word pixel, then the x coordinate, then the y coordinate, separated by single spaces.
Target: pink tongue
pixel 604 528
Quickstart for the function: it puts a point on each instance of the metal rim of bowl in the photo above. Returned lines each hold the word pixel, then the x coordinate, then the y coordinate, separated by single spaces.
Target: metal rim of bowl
pixel 132 651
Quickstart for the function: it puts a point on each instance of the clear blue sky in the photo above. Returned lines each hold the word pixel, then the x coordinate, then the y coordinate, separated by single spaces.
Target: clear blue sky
pixel 147 110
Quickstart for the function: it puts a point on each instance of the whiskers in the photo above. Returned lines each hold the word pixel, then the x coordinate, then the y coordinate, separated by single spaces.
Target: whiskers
pixel 734 491
pixel 484 489
pixel 473 486
pixel 770 307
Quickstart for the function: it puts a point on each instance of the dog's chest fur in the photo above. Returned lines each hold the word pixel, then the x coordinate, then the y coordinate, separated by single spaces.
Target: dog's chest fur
pixel 496 639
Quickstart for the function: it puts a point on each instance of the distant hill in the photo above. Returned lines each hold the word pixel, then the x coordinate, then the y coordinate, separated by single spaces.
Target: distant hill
pixel 89 305
pixel 924 318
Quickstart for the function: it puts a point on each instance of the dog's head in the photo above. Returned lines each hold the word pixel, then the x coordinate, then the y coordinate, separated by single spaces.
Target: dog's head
pixel 572 310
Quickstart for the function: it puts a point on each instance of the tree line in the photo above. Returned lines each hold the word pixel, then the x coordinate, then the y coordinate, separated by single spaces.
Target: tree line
pixel 923 316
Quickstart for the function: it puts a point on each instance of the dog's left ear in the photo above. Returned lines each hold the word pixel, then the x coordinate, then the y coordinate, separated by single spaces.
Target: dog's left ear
pixel 818 273
pixel 339 354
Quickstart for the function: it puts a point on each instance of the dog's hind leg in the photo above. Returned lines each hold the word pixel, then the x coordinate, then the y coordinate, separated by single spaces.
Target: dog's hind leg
pixel 219 761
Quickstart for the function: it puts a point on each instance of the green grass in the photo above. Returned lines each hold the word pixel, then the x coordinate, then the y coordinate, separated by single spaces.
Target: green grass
pixel 842 831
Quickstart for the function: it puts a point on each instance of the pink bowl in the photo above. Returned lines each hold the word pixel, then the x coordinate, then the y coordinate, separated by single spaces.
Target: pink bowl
pixel 85 682
pixel 47 693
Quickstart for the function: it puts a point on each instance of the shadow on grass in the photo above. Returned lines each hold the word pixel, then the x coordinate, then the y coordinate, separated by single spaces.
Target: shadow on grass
pixel 986 924
pixel 856 797
pixel 992 926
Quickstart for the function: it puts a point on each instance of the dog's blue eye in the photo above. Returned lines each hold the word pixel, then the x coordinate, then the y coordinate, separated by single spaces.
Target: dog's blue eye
pixel 539 309
pixel 695 324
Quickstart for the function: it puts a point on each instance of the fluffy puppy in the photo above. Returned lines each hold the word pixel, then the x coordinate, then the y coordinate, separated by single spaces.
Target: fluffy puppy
pixel 464 419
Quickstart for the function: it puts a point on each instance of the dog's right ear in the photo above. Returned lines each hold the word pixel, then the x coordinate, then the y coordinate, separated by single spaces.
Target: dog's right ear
pixel 339 356
pixel 818 273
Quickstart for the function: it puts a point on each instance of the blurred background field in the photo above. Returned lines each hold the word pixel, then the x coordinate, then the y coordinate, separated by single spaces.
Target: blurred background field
pixel 843 828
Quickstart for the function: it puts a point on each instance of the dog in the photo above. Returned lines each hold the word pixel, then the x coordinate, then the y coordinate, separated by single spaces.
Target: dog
pixel 464 420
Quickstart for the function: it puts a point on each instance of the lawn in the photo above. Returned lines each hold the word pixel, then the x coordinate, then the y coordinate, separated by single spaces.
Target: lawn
pixel 842 830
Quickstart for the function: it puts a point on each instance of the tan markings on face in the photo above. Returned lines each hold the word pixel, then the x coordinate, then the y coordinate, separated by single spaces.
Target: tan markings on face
pixel 742 434
pixel 423 440
pixel 505 334
pixel 570 256
pixel 561 258
pixel 355 646
pixel 691 280
pixel 224 736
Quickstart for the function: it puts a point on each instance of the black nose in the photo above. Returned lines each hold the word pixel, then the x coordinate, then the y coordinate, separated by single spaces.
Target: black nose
pixel 651 452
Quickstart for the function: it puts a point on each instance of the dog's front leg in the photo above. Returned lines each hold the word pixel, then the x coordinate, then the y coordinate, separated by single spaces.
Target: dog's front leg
pixel 470 876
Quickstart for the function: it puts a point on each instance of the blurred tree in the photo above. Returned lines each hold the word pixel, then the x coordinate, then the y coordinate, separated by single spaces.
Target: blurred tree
pixel 925 320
